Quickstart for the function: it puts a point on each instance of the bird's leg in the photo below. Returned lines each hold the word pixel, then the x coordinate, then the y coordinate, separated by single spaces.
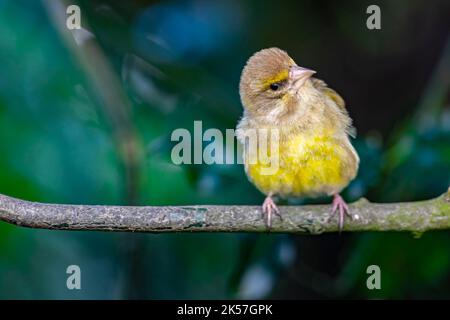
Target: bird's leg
pixel 340 205
pixel 268 208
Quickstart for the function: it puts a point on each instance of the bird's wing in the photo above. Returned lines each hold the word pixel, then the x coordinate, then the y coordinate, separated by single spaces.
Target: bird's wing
pixel 333 95
pixel 322 86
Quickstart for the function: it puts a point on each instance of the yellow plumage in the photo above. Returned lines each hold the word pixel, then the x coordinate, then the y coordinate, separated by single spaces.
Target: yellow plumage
pixel 309 165
pixel 312 153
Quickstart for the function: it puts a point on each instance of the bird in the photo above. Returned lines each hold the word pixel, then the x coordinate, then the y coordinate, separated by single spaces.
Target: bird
pixel 314 155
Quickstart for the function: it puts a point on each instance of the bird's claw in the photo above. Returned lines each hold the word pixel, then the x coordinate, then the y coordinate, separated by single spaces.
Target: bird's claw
pixel 340 206
pixel 268 208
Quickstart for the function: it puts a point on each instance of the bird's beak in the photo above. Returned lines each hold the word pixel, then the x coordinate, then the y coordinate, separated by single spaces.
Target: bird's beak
pixel 300 74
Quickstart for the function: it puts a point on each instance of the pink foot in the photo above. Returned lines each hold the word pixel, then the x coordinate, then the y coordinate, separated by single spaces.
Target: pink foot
pixel 340 205
pixel 268 208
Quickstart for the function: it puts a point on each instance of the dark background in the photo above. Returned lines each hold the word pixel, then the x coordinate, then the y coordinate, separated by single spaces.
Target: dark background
pixel 97 131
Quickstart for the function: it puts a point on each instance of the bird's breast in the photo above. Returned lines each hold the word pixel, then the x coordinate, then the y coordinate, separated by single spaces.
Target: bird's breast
pixel 304 165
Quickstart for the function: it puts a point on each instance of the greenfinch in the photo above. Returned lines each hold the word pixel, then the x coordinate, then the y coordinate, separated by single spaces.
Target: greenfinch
pixel 314 155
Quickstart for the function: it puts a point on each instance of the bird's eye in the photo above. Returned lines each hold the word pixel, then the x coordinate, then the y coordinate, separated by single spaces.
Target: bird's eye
pixel 274 86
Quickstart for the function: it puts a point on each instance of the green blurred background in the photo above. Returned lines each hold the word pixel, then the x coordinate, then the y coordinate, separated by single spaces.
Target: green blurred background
pixel 89 122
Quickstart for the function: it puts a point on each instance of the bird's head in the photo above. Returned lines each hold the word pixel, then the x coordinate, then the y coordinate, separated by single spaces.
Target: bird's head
pixel 271 81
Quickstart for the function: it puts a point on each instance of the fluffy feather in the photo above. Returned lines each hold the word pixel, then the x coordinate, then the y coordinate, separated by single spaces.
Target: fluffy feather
pixel 315 154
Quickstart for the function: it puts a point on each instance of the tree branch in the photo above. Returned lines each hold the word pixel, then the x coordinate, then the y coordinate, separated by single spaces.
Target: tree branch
pixel 417 216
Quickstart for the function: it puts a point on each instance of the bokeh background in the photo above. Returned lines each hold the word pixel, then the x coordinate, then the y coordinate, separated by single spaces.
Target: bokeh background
pixel 89 122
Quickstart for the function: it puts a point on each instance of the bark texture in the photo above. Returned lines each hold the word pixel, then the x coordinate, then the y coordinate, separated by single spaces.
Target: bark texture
pixel 417 217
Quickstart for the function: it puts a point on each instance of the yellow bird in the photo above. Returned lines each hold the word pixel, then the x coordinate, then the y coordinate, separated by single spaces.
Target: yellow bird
pixel 304 129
